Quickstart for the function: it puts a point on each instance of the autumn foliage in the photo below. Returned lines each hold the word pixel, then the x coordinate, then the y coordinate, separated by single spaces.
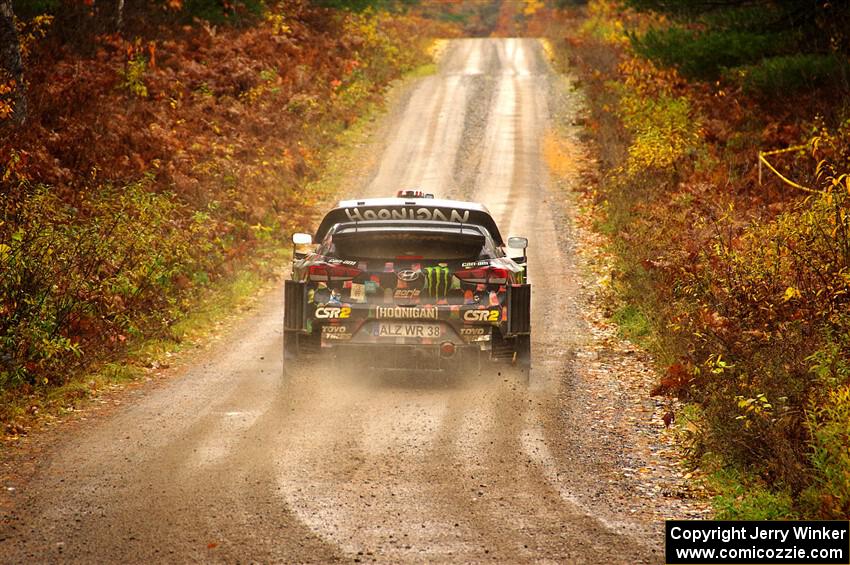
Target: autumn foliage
pixel 742 285
pixel 159 158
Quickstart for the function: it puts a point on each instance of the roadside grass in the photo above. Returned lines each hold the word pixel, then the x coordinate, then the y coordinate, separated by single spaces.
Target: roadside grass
pixel 206 316
pixel 209 313
pixel 742 497
pixel 632 322
pixel 421 71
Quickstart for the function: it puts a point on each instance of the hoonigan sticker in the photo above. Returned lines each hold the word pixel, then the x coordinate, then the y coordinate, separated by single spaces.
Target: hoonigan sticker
pixel 406 312
pixel 411 213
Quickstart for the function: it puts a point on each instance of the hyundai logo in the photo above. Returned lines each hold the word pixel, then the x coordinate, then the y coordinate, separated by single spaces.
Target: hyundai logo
pixel 408 275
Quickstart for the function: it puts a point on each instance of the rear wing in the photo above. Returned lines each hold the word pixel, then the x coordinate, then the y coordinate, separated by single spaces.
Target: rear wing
pixel 429 211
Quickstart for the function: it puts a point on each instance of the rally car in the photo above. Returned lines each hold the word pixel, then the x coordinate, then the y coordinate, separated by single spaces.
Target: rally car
pixel 410 282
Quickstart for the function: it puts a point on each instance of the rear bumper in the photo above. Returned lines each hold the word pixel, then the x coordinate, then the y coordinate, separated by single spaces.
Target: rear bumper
pixel 426 358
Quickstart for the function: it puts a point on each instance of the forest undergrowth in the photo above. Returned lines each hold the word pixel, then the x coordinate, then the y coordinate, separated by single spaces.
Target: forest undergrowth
pixel 737 282
pixel 163 157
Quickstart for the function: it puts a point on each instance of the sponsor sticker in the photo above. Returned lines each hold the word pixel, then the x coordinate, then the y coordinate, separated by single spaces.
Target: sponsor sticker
pixel 408 275
pixel 408 213
pixel 335 333
pixel 337 261
pixel 405 312
pixel 358 292
pixel 333 312
pixel 482 315
pixel 437 281
pixel 473 331
pixel 407 293
pixel 371 287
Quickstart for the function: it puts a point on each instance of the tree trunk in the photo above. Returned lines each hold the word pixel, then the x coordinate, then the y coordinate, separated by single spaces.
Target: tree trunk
pixel 119 19
pixel 11 66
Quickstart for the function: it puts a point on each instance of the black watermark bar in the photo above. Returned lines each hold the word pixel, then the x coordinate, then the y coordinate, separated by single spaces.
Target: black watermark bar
pixel 704 542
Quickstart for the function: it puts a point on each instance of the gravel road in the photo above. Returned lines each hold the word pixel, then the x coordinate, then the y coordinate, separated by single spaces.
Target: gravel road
pixel 230 462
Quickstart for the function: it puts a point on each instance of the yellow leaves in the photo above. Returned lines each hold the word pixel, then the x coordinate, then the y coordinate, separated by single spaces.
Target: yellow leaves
pixel 133 76
pixel 548 48
pixel 663 130
pixel 437 47
pixel 5 109
pixel 14 167
pixel 278 24
pixel 790 294
pixel 717 366
pixel 269 80
pixel 561 155
pixel 33 30
pixel 530 7
pixel 6 106
pixel 753 407
pixel 662 124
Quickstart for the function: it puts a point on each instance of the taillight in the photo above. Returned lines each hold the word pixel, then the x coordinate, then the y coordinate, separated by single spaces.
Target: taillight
pixel 488 275
pixel 325 273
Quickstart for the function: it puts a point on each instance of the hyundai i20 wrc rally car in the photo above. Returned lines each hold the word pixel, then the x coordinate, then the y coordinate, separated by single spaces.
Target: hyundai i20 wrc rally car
pixel 410 282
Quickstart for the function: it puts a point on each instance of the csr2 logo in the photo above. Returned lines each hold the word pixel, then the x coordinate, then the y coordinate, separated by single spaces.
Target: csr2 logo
pixel 327 312
pixel 481 315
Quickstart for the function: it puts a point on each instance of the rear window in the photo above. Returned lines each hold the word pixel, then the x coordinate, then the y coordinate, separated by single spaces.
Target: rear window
pixel 406 244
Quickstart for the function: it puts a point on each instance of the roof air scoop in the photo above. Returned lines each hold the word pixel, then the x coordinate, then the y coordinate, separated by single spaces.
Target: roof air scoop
pixel 413 193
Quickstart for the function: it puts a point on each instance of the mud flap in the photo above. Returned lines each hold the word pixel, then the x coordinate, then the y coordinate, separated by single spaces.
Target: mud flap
pixel 294 305
pixel 294 316
pixel 519 310
pixel 519 328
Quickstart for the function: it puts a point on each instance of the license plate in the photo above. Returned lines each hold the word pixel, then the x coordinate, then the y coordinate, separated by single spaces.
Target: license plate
pixel 401 329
